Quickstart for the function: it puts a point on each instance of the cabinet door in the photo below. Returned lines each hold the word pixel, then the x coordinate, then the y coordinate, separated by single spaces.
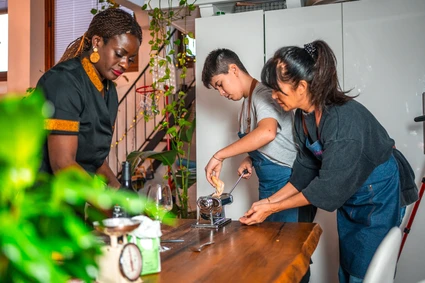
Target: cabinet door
pixel 303 25
pixel 384 61
pixel 298 27
pixel 217 117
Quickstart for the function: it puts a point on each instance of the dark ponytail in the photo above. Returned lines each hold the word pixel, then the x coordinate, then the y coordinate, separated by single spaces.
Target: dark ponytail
pixel 315 64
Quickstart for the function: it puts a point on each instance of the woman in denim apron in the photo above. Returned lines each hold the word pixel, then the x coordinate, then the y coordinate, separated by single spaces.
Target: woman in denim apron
pixel 345 158
pixel 378 198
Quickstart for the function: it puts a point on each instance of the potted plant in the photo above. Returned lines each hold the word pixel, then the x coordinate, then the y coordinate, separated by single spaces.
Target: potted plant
pixel 177 160
pixel 42 239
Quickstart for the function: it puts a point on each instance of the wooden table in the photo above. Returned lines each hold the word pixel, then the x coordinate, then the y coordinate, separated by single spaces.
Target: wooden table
pixel 266 252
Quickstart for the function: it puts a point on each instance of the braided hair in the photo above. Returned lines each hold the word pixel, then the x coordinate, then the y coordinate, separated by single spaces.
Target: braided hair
pixel 106 24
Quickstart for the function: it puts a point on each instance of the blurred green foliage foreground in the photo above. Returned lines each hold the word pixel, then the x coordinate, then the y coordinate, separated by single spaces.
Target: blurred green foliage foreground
pixel 43 237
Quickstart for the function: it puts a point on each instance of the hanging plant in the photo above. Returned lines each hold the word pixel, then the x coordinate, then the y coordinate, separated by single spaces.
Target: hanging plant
pixel 166 84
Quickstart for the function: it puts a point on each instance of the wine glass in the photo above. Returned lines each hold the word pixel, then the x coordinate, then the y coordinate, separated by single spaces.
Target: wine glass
pixel 161 195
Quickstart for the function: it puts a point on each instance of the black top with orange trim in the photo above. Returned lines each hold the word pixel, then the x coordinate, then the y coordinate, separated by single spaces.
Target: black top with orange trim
pixel 75 91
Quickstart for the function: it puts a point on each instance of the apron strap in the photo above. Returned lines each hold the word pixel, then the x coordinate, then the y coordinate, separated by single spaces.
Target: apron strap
pixel 248 119
pixel 317 117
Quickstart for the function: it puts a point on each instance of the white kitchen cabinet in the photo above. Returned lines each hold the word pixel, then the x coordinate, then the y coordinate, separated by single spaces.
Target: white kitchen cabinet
pixel 217 117
pixel 298 27
pixel 303 25
pixel 384 61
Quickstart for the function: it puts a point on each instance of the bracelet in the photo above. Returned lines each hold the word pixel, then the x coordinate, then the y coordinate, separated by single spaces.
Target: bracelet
pixel 221 160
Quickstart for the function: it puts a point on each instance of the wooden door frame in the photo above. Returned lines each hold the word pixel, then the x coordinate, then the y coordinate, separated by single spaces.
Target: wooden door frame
pixel 49 38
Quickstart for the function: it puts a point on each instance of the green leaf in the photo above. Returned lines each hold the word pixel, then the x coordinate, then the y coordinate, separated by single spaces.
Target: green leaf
pixel 166 157
pixel 93 11
pixel 187 132
pixel 144 7
pixel 190 34
pixel 172 131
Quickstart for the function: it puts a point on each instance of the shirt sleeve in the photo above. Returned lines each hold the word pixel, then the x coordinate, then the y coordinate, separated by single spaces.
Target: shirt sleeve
pixel 264 106
pixel 62 92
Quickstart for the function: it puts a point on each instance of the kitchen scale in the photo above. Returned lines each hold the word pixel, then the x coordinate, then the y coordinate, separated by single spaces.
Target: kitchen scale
pixel 211 213
pixel 121 261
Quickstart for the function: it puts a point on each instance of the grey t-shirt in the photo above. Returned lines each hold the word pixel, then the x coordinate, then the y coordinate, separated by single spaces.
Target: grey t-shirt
pixel 282 149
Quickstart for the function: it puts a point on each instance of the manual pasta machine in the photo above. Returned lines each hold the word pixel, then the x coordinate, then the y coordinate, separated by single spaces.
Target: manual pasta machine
pixel 211 212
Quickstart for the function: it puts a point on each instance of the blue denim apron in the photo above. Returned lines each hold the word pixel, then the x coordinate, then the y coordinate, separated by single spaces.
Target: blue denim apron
pixel 367 216
pixel 272 177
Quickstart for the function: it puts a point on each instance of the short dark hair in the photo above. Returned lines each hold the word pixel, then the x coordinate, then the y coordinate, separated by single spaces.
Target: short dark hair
pixel 217 62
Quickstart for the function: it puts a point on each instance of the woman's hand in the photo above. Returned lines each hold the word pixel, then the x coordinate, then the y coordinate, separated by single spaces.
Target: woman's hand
pixel 213 168
pixel 245 164
pixel 258 212
pixel 107 172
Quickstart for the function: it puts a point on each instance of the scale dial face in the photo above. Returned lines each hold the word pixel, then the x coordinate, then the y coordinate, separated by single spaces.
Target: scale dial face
pixel 131 262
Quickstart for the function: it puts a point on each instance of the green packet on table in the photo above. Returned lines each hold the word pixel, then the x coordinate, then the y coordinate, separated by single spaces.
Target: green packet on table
pixel 147 238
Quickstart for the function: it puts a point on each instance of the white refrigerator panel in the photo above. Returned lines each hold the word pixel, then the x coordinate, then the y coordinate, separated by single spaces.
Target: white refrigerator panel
pixel 384 55
pixel 298 27
pixel 217 117
pixel 303 25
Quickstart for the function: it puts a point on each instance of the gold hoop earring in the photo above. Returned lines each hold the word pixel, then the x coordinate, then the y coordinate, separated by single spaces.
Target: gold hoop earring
pixel 94 57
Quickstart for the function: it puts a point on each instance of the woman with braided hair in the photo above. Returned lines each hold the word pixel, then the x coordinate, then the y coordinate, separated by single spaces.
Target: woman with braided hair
pixel 81 89
pixel 346 160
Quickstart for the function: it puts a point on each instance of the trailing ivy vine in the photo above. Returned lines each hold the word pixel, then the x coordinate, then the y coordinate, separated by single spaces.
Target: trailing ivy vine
pixel 180 133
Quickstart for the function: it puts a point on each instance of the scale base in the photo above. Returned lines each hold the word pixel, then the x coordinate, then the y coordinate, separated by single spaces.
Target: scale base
pixel 109 270
pixel 217 223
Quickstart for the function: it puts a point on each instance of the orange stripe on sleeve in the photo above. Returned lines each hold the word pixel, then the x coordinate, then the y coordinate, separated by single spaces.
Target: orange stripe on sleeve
pixel 61 125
